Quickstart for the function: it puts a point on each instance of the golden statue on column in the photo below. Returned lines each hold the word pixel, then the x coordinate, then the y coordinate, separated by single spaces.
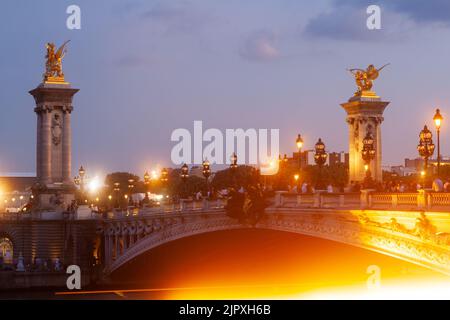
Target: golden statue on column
pixel 364 79
pixel 364 116
pixel 53 66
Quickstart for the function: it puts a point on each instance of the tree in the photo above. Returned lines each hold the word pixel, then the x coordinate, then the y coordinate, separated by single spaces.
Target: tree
pixel 123 179
pixel 244 176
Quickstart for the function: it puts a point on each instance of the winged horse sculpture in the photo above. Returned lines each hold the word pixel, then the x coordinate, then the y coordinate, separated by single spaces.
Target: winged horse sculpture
pixel 364 78
pixel 53 65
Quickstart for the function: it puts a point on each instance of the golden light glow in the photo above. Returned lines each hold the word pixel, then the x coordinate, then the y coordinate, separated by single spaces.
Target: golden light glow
pixel 299 142
pixel 94 185
pixel 438 119
pixel 437 122
pixel 110 197
pixel 422 173
pixel 296 177
pixel 155 175
pixel 366 167
pixel 269 168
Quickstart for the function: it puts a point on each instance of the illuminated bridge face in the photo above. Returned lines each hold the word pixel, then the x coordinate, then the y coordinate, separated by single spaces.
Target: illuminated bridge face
pixel 420 238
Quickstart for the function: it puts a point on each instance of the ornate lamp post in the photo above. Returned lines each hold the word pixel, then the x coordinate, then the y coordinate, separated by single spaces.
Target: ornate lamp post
pixel 234 166
pixel 320 157
pixel 130 190
pixel 438 121
pixel 184 175
pixel 234 160
pixel 425 148
pixel 206 173
pixel 117 193
pixel 80 180
pixel 147 180
pixel 299 143
pixel 184 172
pixel 296 179
pixel 164 176
pixel 368 154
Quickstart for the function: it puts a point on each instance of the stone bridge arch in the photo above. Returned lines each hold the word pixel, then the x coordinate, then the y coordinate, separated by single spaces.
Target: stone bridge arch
pixel 391 233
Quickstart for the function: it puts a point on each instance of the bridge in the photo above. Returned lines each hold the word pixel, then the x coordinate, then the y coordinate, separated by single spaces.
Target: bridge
pixel 412 227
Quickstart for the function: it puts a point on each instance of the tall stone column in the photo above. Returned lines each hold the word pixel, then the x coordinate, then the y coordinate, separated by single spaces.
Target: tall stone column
pixel 67 146
pixel 45 147
pixel 378 146
pixel 54 143
pixel 38 144
pixel 364 114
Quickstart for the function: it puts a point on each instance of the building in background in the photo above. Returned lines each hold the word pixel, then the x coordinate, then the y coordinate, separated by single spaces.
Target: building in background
pixel 15 191
pixel 307 159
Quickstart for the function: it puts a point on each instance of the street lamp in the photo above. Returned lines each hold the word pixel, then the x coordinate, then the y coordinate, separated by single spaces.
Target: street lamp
pixel 296 178
pixel 117 192
pixel 425 147
pixel 130 190
pixel 299 143
pixel 147 178
pixel 164 175
pixel 438 121
pixel 184 172
pixel 234 160
pixel 368 154
pixel 184 175
pixel 80 180
pixel 206 172
pixel 233 166
pixel 320 158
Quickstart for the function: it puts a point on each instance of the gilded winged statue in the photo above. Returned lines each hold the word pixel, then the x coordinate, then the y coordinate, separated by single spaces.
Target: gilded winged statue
pixel 53 65
pixel 364 78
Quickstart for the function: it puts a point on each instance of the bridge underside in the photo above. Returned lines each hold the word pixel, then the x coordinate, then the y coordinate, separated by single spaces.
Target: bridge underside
pixel 409 236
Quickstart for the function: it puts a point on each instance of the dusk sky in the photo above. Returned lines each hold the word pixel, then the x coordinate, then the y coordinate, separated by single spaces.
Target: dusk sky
pixel 146 68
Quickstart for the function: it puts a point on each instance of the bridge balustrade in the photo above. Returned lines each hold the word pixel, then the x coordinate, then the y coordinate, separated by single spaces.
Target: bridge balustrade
pixel 365 199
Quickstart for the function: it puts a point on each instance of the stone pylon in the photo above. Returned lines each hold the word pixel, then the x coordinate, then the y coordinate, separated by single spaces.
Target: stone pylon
pixel 54 143
pixel 364 114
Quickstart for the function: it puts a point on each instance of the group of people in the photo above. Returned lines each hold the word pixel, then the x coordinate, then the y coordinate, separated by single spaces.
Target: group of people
pixel 246 204
pixel 437 185
pixel 307 187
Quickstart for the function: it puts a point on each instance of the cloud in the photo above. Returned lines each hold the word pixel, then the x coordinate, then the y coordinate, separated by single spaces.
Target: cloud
pixel 346 19
pixel 420 11
pixel 129 61
pixel 347 24
pixel 259 46
pixel 177 16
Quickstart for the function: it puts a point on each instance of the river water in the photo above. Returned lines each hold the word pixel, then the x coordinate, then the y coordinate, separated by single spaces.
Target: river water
pixel 263 264
pixel 251 263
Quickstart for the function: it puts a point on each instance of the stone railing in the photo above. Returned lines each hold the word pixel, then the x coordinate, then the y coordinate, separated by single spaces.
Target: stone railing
pixel 317 200
pixel 366 199
pixel 369 199
pixel 184 205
